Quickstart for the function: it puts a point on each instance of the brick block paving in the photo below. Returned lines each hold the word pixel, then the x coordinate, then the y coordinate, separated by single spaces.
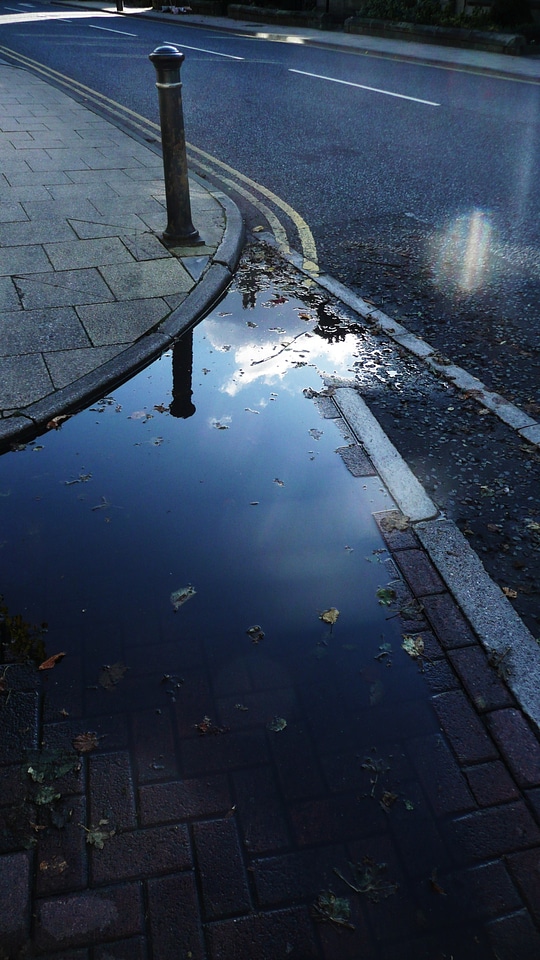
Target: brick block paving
pixel 281 933
pixel 491 783
pixel 81 919
pixel 61 853
pixel 184 799
pixel 485 689
pixel 494 832
pixel 263 825
pixel 141 853
pixel 111 789
pixel 173 916
pixel 519 745
pixel 219 843
pixel 419 572
pixel 15 902
pixel 221 869
pixel 464 728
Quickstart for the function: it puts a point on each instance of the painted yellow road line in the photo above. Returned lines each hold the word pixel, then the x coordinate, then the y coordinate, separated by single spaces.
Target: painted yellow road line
pixel 307 242
pixel 309 250
pixel 275 225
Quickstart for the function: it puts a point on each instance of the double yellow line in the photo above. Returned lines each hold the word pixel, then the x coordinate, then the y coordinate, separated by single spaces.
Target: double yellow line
pixel 226 175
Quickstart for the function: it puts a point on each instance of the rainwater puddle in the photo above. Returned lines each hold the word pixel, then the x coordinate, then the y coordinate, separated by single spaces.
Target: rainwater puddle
pixel 182 557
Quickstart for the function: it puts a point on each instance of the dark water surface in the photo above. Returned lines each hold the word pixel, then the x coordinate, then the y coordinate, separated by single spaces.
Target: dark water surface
pixel 237 492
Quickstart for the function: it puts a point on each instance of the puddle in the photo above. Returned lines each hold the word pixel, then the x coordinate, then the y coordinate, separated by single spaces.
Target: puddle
pixel 209 567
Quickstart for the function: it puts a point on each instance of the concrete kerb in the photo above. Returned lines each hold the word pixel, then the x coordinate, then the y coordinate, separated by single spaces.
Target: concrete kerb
pixel 510 646
pixel 198 302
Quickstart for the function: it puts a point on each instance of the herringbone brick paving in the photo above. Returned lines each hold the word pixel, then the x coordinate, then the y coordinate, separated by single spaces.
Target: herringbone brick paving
pixel 216 846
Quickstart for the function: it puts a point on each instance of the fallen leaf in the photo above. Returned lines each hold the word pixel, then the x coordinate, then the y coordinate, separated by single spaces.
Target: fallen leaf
pixel 54 867
pixel 51 662
pixel 510 592
pixel 394 520
pixel 111 675
pixel 435 885
pixel 160 408
pixel 368 878
pixel 329 616
pixel 85 742
pixel 414 646
pixel 258 229
pixel 276 724
pixel 57 422
pixel 333 909
pixel 207 726
pixel 388 799
pixel 256 633
pixel 178 597
pixel 386 596
pixel 96 836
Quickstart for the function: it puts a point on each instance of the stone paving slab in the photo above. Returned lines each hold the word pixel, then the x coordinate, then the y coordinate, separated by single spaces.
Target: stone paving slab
pixel 84 273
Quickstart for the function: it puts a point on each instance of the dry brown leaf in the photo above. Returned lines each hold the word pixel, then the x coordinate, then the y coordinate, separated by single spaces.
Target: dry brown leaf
pixel 85 742
pixel 51 662
pixel 509 592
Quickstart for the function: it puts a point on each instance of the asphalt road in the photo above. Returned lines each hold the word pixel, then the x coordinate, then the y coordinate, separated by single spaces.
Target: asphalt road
pixel 418 185
pixel 416 181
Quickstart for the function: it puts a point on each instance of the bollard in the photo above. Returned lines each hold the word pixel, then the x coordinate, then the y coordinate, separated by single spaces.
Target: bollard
pixel 119 6
pixel 180 230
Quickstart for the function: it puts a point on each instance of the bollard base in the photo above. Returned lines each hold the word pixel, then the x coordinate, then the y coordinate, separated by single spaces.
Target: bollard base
pixel 192 239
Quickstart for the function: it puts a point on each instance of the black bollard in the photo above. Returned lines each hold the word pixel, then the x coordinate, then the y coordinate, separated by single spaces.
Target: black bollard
pixel 180 230
pixel 119 6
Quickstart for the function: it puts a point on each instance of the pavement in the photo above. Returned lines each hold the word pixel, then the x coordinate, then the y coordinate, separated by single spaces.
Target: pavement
pixel 89 294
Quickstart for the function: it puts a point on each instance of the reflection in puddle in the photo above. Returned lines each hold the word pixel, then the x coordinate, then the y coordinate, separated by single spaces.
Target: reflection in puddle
pixel 280 694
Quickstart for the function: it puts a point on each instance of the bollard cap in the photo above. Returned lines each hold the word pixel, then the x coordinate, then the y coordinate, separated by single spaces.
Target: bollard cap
pixel 167 57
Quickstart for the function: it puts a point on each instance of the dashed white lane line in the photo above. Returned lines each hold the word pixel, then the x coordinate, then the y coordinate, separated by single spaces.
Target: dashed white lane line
pixel 362 86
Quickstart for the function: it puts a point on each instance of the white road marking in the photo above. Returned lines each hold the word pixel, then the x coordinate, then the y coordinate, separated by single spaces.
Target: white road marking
pixel 362 86
pixel 215 53
pixel 93 26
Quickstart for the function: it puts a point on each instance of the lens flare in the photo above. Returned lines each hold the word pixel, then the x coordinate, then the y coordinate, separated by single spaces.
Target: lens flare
pixel 463 253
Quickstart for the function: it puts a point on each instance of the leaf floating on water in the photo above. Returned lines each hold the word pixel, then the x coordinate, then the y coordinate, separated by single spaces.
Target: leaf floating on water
pixel 386 596
pixel 329 616
pixel 111 675
pixel 316 434
pixel 57 422
pixel 51 662
pixel 85 742
pixel 258 229
pixel 82 478
pixel 388 799
pixel 240 706
pixel 160 408
pixel 368 877
pixel 96 836
pixel 279 482
pixel 276 724
pixel 178 597
pixel 414 646
pixel 328 907
pixel 207 726
pixel 385 653
pixel 256 633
